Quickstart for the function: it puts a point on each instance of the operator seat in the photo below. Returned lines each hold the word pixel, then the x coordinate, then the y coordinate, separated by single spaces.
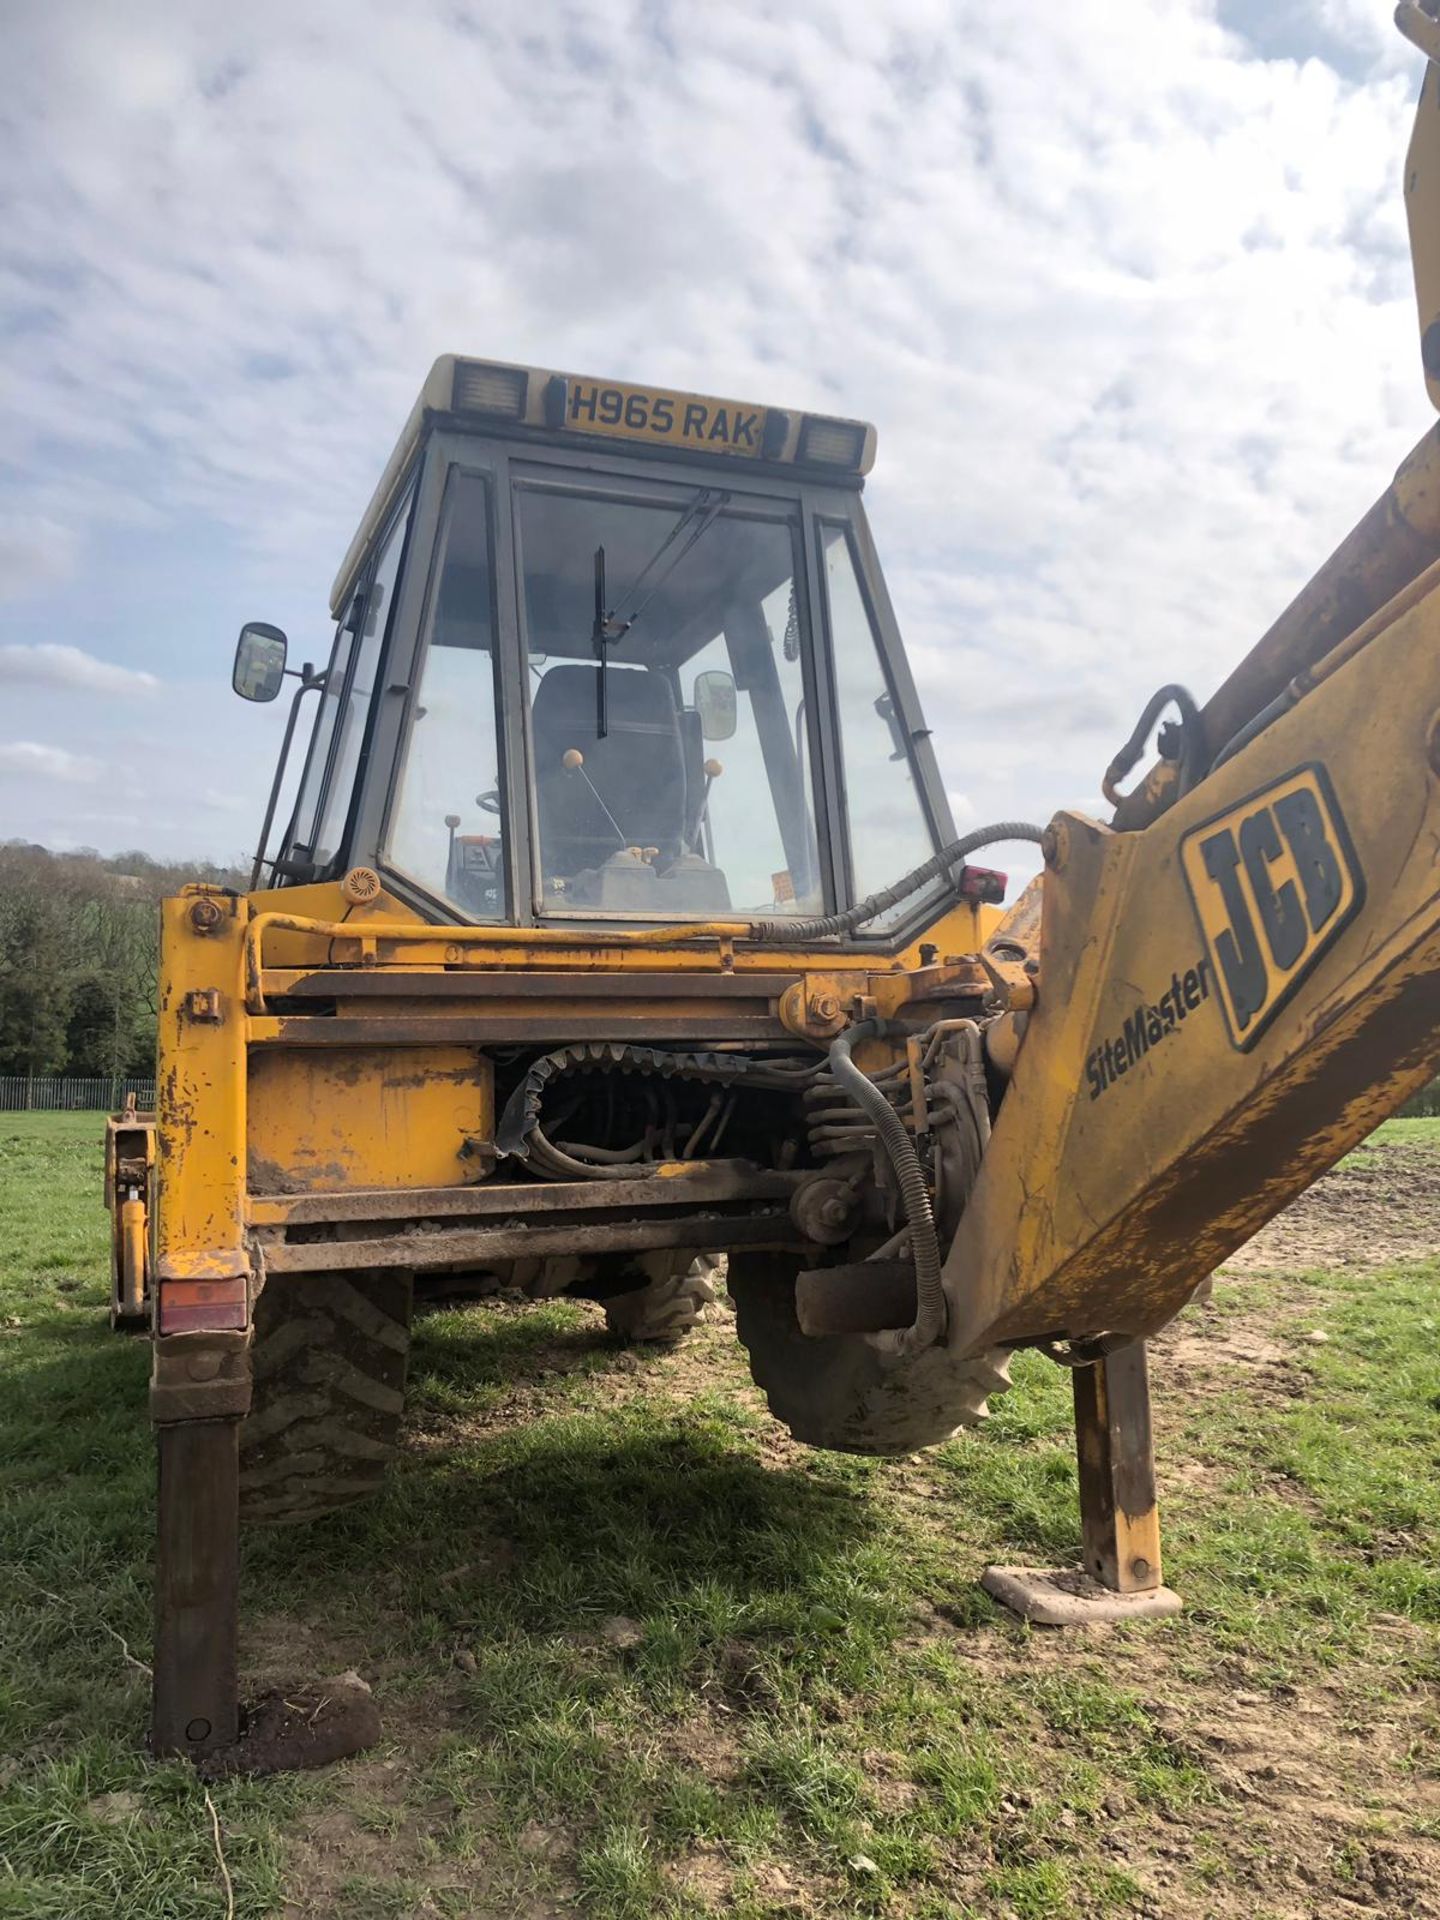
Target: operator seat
pixel 638 769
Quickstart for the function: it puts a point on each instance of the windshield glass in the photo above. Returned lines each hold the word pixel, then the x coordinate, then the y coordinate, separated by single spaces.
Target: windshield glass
pixel 667 706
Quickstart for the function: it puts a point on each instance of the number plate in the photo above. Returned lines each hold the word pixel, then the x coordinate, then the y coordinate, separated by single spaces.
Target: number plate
pixel 1274 880
pixel 667 419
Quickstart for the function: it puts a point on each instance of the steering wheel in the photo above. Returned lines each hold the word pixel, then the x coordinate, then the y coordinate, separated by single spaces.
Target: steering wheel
pixel 489 802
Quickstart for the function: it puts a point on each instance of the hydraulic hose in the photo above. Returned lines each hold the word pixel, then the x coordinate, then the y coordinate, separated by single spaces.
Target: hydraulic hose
pixel 1191 742
pixel 930 1310
pixel 795 932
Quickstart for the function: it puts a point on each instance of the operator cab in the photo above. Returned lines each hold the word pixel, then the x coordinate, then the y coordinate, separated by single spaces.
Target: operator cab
pixel 610 652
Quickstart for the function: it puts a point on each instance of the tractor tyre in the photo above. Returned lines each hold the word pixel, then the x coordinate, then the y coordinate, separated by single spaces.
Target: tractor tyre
pixel 839 1392
pixel 330 1354
pixel 670 1307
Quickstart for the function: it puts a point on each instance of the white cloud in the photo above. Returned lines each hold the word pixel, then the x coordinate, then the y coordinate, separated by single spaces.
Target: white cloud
pixel 48 663
pixel 49 763
pixel 1124 285
pixel 35 553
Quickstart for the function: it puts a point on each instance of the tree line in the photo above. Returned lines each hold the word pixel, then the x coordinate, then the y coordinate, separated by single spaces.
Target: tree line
pixel 79 957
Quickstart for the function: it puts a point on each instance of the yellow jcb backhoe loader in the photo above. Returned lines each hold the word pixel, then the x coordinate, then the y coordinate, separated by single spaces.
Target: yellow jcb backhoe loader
pixel 619 924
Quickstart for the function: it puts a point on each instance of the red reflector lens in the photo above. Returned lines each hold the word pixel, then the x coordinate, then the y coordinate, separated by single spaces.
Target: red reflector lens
pixel 984 885
pixel 202 1306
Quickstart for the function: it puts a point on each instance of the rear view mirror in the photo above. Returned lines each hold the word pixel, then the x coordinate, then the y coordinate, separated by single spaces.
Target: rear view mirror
pixel 259 661
pixel 715 703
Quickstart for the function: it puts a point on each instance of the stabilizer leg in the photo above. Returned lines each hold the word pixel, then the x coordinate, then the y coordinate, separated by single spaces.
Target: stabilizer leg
pixel 1119 1520
pixel 197 1574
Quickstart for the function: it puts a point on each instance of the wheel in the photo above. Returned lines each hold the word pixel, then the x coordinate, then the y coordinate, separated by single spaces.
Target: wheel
pixel 330 1354
pixel 668 1307
pixel 838 1391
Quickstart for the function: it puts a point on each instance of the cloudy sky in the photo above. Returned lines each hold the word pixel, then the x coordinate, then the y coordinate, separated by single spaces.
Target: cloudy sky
pixel 1124 284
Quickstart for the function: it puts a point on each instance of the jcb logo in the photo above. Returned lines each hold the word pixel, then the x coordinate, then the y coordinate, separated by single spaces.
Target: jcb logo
pixel 1274 881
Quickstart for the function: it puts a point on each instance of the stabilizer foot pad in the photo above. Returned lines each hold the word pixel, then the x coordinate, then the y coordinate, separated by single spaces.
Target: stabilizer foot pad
pixel 1073 1599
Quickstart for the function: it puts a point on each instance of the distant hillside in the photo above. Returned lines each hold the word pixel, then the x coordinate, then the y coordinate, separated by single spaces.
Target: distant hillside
pixel 79 942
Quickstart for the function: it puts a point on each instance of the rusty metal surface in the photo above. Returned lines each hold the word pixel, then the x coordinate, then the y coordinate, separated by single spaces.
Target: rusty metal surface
pixel 571 1020
pixel 197 1572
pixel 475 983
pixel 200 1376
pixel 1119 1521
pixel 679 1183
pixel 1066 1599
pixel 479 1246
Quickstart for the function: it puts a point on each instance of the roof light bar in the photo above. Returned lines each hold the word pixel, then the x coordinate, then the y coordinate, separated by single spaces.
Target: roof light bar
pixel 481 387
pixel 832 443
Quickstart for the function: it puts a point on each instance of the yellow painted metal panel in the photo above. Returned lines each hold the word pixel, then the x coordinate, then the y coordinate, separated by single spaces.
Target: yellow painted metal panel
pixel 200 1088
pixel 1274 882
pixel 660 417
pixel 326 1120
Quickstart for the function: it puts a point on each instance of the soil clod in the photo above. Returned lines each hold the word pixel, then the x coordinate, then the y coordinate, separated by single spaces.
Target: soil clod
pixel 288 1730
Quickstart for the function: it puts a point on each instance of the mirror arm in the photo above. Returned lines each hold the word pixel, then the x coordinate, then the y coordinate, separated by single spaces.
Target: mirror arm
pixel 308 680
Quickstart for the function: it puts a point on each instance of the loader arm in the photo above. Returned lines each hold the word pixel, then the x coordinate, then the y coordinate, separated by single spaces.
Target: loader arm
pixel 1228 1000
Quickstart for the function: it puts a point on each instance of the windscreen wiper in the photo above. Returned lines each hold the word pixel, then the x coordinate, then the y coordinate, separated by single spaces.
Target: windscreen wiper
pixel 612 625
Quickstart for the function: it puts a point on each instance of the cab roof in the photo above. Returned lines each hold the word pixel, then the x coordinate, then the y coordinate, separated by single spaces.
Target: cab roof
pixel 566 408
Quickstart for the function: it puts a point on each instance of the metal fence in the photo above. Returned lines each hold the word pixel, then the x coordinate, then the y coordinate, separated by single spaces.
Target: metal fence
pixel 57 1093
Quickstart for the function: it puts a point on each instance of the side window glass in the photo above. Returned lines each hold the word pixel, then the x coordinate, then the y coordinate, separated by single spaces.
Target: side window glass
pixel 446 828
pixel 321 740
pixel 889 833
pixel 354 712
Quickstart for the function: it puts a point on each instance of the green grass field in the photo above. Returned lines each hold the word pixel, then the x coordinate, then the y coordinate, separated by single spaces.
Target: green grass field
pixel 639 1655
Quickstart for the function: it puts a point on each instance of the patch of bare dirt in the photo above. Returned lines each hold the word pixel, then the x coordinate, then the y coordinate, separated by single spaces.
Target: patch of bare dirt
pixel 1374 1209
pixel 1313 1816
pixel 706 1874
pixel 332 1850
pixel 703 1745
pixel 1205 1352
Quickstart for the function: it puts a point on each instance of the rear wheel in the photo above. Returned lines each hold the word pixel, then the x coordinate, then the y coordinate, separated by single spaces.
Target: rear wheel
pixel 669 1305
pixel 330 1355
pixel 838 1391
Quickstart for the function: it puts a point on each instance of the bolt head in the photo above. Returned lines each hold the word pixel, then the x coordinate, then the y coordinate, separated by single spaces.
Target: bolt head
pixel 205 915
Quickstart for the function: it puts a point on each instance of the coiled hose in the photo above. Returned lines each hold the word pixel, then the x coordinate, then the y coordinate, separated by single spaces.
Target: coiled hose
pixel 792 932
pixel 930 1310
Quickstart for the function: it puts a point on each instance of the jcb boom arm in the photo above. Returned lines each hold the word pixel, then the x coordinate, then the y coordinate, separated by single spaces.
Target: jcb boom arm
pixel 1228 1000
